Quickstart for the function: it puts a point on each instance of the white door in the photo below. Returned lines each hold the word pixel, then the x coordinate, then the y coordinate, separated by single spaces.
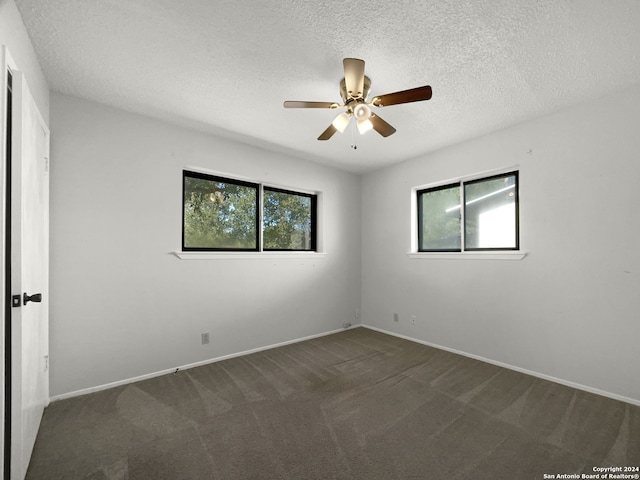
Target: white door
pixel 29 274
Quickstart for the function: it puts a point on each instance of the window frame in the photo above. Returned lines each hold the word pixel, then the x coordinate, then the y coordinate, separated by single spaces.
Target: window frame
pixel 313 217
pixel 219 179
pixel 259 226
pixel 420 216
pixel 464 251
pixel 517 213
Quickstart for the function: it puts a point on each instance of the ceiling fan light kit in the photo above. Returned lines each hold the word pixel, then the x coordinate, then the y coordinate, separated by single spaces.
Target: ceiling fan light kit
pixel 354 89
pixel 341 121
pixel 362 112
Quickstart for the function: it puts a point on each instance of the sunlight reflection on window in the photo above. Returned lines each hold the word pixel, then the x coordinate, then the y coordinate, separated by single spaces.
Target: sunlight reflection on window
pixel 497 227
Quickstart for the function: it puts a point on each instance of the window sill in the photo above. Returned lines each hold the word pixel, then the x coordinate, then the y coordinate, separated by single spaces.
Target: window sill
pixel 246 255
pixel 468 255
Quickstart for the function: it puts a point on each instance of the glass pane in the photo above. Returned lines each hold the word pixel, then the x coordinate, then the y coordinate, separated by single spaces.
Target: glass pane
pixel 287 221
pixel 491 213
pixel 439 219
pixel 219 214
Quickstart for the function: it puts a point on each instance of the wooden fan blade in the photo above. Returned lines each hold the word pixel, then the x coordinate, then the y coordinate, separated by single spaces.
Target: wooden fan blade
pixel 380 126
pixel 354 76
pixel 328 133
pixel 405 96
pixel 292 104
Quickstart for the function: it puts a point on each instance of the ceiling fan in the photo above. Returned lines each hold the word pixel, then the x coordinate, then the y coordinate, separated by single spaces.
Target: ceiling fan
pixel 354 88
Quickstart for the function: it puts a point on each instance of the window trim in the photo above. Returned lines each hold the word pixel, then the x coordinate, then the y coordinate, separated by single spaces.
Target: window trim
pixel 464 253
pixel 463 184
pixel 314 214
pixel 198 253
pixel 468 255
pixel 419 216
pixel 267 255
pixel 216 178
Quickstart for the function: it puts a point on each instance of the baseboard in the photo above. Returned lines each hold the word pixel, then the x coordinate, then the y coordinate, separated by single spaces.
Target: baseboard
pixel 148 376
pixel 543 376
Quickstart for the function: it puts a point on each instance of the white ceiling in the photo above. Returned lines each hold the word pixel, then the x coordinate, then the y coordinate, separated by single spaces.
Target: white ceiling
pixel 226 66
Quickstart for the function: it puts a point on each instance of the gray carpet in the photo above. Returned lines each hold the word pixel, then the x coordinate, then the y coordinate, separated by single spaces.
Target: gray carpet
pixel 355 405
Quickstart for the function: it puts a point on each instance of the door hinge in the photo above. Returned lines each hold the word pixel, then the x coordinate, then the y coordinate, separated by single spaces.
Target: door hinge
pixel 16 301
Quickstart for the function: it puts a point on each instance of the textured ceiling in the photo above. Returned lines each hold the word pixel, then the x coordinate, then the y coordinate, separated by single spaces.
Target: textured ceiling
pixel 226 66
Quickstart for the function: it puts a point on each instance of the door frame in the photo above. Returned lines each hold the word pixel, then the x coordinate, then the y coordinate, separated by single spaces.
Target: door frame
pixel 29 253
pixel 7 64
pixel 18 420
pixel 14 450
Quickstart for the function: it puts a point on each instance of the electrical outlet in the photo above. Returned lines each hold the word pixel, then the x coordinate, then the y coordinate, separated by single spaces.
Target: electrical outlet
pixel 395 317
pixel 357 313
pixel 413 319
pixel 205 338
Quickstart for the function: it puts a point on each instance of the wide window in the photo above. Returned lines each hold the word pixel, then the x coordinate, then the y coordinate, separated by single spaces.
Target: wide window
pixel 223 214
pixel 481 214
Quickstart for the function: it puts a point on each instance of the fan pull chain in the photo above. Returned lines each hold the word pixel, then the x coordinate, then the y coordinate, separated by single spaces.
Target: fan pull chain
pixel 353 137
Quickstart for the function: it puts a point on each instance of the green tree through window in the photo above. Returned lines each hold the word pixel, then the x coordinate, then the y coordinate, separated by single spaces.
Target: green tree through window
pixel 224 214
pixel 439 220
pixel 219 214
pixel 288 220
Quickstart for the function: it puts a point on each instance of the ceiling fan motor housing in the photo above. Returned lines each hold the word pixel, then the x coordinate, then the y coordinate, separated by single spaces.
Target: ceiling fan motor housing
pixel 354 96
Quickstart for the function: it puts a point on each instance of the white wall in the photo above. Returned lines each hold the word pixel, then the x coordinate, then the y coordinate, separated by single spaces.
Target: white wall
pixel 122 305
pixel 571 308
